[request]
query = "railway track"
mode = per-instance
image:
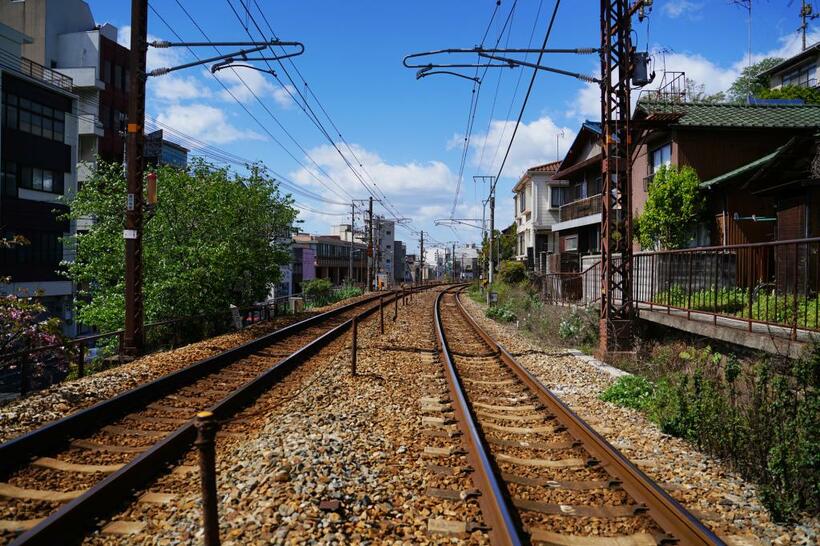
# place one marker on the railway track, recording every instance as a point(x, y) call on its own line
point(539, 472)
point(56, 481)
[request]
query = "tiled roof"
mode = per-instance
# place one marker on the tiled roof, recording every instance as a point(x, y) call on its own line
point(550, 167)
point(732, 115)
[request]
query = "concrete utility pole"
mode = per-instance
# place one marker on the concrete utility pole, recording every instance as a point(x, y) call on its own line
point(421, 256)
point(490, 273)
point(806, 15)
point(352, 232)
point(134, 313)
point(453, 260)
point(370, 246)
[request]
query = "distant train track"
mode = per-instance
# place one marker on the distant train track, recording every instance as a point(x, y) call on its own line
point(56, 481)
point(543, 474)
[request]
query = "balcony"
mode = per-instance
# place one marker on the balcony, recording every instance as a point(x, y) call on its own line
point(580, 208)
point(35, 70)
point(89, 124)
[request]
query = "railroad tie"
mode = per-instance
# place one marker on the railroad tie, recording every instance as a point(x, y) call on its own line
point(557, 539)
point(11, 491)
point(18, 526)
point(57, 464)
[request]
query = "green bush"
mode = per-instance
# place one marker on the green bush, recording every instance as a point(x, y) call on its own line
point(501, 313)
point(631, 391)
point(317, 290)
point(512, 272)
point(766, 424)
point(580, 328)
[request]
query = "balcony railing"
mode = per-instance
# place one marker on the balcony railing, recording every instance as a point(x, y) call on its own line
point(580, 208)
point(36, 71)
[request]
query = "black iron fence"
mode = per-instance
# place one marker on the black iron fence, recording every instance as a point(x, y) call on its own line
point(774, 285)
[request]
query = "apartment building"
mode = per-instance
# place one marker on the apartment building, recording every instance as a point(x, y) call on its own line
point(536, 199)
point(38, 158)
point(799, 70)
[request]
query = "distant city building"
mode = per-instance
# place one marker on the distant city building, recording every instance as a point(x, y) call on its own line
point(159, 151)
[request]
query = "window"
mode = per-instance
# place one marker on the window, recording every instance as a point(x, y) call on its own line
point(803, 77)
point(571, 243)
point(556, 197)
point(34, 118)
point(15, 175)
point(522, 202)
point(521, 243)
point(660, 157)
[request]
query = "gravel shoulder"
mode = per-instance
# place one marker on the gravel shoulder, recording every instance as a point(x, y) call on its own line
point(37, 409)
point(707, 487)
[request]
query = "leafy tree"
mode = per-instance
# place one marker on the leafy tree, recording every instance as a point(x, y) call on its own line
point(674, 205)
point(512, 271)
point(213, 239)
point(750, 82)
point(810, 95)
point(696, 92)
point(505, 245)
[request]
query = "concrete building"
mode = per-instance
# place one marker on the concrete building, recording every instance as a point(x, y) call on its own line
point(38, 158)
point(66, 38)
point(383, 246)
point(399, 270)
point(326, 257)
point(537, 198)
point(159, 151)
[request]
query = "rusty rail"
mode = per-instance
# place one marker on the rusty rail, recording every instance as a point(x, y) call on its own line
point(496, 508)
point(671, 517)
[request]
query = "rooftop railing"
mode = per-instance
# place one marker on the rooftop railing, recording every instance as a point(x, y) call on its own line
point(35, 70)
point(580, 208)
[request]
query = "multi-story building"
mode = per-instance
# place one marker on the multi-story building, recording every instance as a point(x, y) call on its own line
point(38, 158)
point(159, 151)
point(383, 248)
point(66, 39)
point(578, 201)
point(327, 257)
point(536, 201)
point(399, 270)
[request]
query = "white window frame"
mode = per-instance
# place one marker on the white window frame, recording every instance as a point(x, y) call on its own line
point(569, 238)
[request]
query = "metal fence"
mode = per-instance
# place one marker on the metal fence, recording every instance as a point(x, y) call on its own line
point(40, 367)
point(772, 287)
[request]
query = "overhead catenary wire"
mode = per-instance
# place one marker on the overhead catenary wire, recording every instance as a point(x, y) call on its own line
point(527, 95)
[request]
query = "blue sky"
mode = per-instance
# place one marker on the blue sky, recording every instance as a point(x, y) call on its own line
point(409, 134)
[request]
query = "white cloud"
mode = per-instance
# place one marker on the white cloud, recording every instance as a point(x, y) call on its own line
point(205, 122)
point(535, 144)
point(283, 95)
point(678, 8)
point(244, 84)
point(176, 88)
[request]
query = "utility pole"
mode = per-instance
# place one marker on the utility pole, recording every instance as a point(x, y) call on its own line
point(617, 310)
point(134, 313)
point(370, 246)
point(352, 231)
point(806, 15)
point(490, 273)
point(421, 256)
point(453, 260)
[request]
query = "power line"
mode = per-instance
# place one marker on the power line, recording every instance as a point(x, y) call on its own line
point(527, 95)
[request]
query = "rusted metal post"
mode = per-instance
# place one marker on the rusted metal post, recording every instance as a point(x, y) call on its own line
point(796, 279)
point(689, 290)
point(81, 361)
point(381, 314)
point(395, 307)
point(206, 433)
point(353, 343)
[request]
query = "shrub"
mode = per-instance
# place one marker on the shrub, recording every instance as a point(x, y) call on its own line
point(512, 272)
point(631, 391)
point(580, 327)
point(317, 291)
point(501, 313)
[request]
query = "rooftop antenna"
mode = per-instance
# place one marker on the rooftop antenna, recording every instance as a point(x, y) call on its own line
point(747, 5)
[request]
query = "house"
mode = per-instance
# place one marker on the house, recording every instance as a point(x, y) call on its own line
point(716, 139)
point(536, 210)
point(577, 198)
point(38, 159)
point(799, 70)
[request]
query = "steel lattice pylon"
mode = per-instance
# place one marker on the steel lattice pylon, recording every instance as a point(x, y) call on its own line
point(617, 309)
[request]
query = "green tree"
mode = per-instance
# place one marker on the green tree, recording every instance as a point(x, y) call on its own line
point(750, 81)
point(674, 206)
point(809, 95)
point(213, 239)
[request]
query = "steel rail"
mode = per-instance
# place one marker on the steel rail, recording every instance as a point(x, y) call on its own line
point(67, 524)
point(668, 513)
point(499, 514)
